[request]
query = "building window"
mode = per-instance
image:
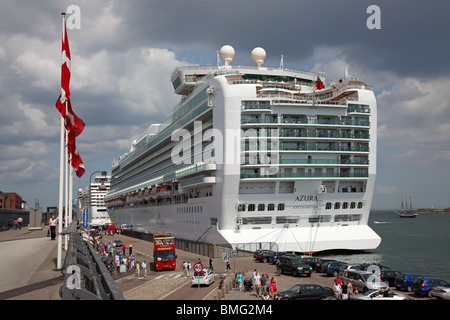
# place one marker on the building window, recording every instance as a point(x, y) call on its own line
point(360, 205)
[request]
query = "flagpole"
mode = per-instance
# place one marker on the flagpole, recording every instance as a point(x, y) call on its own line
point(66, 185)
point(61, 175)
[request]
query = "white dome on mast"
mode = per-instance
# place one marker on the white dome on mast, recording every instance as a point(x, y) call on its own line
point(227, 54)
point(258, 56)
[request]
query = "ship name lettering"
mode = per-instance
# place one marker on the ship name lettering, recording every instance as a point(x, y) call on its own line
point(306, 198)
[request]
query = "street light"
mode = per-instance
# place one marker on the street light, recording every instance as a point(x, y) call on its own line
point(101, 187)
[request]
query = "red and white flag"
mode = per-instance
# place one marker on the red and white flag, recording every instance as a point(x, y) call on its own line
point(73, 124)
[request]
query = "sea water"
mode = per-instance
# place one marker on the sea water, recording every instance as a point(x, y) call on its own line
point(409, 245)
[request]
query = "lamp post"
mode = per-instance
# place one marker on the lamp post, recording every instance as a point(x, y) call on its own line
point(104, 173)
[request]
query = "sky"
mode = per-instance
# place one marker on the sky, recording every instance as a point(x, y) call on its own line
point(123, 53)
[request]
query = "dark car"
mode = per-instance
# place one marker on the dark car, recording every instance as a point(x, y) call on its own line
point(294, 266)
point(404, 281)
point(279, 254)
point(332, 268)
point(318, 266)
point(118, 243)
point(423, 286)
point(306, 292)
point(265, 256)
point(258, 252)
point(311, 261)
point(389, 276)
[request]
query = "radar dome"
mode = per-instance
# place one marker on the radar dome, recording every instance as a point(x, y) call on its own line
point(258, 55)
point(227, 54)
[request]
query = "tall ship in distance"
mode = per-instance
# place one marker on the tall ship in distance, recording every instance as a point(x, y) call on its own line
point(255, 157)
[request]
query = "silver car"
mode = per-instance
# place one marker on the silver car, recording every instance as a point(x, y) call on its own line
point(378, 295)
point(440, 292)
point(364, 280)
point(206, 277)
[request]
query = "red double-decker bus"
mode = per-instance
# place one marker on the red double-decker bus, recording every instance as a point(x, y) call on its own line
point(164, 251)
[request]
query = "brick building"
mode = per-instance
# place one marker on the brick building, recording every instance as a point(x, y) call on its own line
point(10, 200)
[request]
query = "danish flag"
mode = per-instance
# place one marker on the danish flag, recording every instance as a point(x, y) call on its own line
point(73, 124)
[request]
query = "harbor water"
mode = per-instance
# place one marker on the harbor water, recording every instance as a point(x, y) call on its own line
point(409, 245)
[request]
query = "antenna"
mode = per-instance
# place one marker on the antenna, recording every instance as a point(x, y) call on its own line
point(281, 62)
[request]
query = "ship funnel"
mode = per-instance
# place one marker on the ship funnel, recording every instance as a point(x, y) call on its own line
point(258, 56)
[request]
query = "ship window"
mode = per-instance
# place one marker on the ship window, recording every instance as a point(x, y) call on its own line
point(271, 207)
point(345, 205)
point(261, 207)
point(360, 205)
point(257, 220)
point(282, 220)
point(280, 206)
point(355, 217)
point(241, 207)
point(316, 219)
point(341, 217)
point(213, 221)
point(337, 205)
point(352, 205)
point(251, 207)
point(328, 206)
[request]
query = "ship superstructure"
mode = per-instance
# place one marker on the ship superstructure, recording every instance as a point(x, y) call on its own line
point(94, 194)
point(255, 155)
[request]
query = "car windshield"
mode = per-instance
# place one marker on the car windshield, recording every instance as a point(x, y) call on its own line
point(366, 277)
point(201, 274)
point(165, 255)
point(297, 262)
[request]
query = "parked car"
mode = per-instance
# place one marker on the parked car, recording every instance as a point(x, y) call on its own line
point(377, 295)
point(318, 266)
point(423, 286)
point(118, 243)
point(265, 256)
point(404, 281)
point(258, 252)
point(275, 257)
point(389, 276)
point(311, 261)
point(347, 267)
point(206, 277)
point(294, 266)
point(306, 292)
point(441, 293)
point(364, 280)
point(332, 268)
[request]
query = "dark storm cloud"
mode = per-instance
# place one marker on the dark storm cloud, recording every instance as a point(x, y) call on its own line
point(409, 43)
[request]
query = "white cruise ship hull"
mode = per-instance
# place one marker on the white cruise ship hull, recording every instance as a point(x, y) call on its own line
point(292, 168)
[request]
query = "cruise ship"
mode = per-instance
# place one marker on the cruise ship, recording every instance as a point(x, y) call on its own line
point(255, 157)
point(95, 193)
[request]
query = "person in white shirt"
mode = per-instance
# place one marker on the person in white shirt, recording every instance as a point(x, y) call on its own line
point(257, 283)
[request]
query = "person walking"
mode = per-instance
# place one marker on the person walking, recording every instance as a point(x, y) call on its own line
point(257, 283)
point(19, 222)
point(52, 225)
point(263, 283)
point(144, 268)
point(228, 268)
point(239, 281)
point(273, 287)
point(184, 267)
point(188, 269)
point(15, 224)
point(211, 264)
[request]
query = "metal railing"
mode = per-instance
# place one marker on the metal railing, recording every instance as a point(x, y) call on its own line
point(86, 276)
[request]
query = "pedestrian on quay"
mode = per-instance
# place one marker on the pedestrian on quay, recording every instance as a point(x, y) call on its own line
point(188, 268)
point(257, 283)
point(10, 224)
point(273, 286)
point(344, 289)
point(15, 224)
point(19, 222)
point(350, 289)
point(184, 267)
point(228, 268)
point(278, 267)
point(337, 289)
point(138, 269)
point(52, 225)
point(211, 264)
point(144, 268)
point(263, 283)
point(239, 281)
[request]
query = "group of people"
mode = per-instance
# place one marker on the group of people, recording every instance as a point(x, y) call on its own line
point(265, 287)
point(344, 289)
point(186, 268)
point(15, 224)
